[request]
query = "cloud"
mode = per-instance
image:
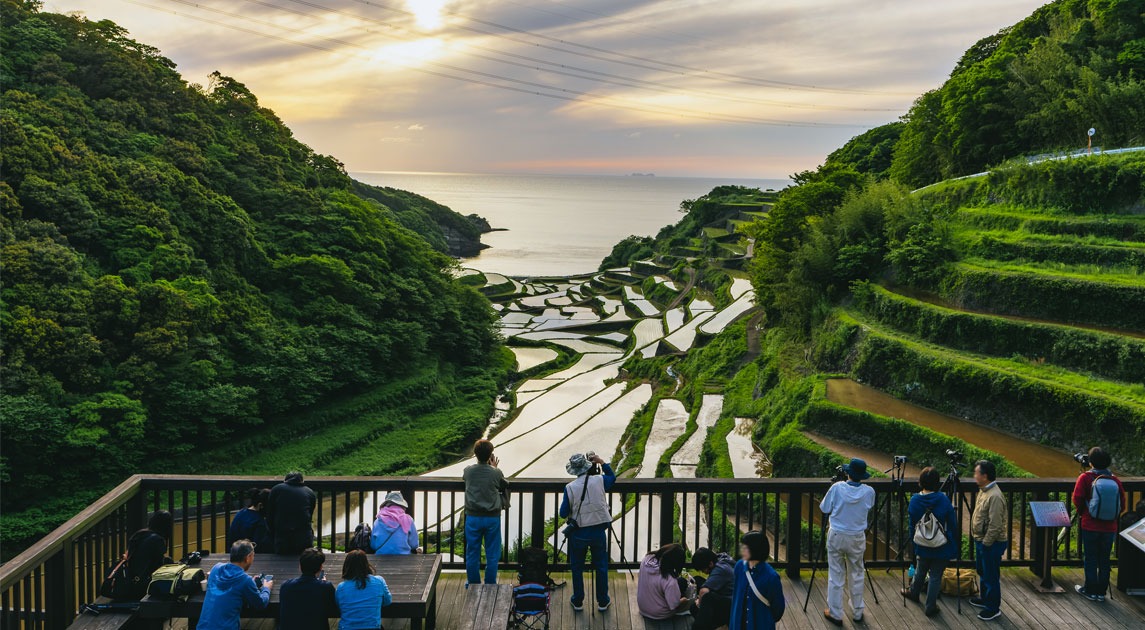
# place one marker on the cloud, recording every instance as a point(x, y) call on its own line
point(711, 69)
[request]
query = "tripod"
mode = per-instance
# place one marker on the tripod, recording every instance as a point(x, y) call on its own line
point(819, 560)
point(950, 487)
point(897, 471)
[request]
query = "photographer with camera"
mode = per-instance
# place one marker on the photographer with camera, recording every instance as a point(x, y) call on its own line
point(1099, 499)
point(847, 504)
point(585, 505)
point(485, 498)
point(229, 588)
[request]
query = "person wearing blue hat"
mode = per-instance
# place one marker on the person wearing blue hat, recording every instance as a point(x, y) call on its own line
point(847, 504)
point(586, 507)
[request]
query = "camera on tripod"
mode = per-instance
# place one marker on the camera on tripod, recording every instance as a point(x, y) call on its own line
point(900, 461)
point(956, 457)
point(1082, 458)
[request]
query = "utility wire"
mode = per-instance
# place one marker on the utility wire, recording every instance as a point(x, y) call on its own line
point(570, 70)
point(572, 95)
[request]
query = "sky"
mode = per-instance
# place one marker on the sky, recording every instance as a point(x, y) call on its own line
point(716, 88)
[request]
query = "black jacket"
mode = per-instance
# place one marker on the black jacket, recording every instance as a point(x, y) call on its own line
point(307, 603)
point(146, 552)
point(290, 511)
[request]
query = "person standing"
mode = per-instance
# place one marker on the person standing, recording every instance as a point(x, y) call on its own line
point(1099, 498)
point(847, 504)
point(394, 532)
point(290, 512)
point(229, 589)
point(484, 499)
point(988, 529)
point(585, 505)
point(361, 595)
point(757, 594)
point(932, 561)
point(307, 602)
point(714, 599)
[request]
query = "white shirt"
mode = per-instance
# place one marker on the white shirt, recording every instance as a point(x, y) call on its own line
point(848, 504)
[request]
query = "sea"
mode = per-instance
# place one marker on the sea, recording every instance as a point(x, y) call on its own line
point(558, 225)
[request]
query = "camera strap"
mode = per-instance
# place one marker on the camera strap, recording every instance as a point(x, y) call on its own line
point(583, 494)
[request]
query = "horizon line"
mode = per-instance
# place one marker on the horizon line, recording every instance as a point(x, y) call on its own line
point(539, 174)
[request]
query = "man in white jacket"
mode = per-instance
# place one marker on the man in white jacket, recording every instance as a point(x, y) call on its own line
point(847, 504)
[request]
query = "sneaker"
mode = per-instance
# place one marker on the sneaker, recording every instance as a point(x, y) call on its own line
point(906, 592)
point(1080, 590)
point(986, 615)
point(577, 606)
point(858, 618)
point(833, 619)
point(977, 602)
point(605, 606)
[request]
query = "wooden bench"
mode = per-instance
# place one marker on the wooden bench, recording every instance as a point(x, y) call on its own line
point(105, 620)
point(487, 607)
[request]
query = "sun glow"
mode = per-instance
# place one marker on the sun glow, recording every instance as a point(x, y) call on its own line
point(428, 13)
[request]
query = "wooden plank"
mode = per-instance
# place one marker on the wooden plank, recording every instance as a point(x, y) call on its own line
point(502, 606)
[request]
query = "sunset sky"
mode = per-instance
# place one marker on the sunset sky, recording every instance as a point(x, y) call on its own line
point(736, 88)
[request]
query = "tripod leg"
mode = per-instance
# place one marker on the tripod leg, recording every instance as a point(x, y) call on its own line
point(814, 568)
point(871, 584)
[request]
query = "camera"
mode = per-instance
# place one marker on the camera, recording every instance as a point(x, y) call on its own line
point(195, 558)
point(1081, 458)
point(900, 460)
point(595, 470)
point(840, 474)
point(956, 457)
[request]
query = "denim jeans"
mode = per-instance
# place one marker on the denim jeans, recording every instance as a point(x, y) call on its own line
point(988, 561)
point(580, 544)
point(1095, 550)
point(929, 570)
point(478, 529)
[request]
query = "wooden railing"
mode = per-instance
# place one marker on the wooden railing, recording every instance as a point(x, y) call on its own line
point(43, 586)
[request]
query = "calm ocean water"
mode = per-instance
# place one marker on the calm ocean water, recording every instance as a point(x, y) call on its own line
point(557, 224)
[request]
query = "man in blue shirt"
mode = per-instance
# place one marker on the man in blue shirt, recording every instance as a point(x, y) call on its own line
point(307, 602)
point(229, 588)
point(585, 505)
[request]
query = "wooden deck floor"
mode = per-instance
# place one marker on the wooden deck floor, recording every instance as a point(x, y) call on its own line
point(1022, 607)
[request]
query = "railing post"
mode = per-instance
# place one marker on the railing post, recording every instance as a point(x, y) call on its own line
point(667, 516)
point(537, 528)
point(795, 534)
point(60, 588)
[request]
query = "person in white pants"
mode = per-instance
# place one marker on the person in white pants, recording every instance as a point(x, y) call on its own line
point(847, 504)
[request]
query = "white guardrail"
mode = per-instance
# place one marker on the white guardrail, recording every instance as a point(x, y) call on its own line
point(1044, 157)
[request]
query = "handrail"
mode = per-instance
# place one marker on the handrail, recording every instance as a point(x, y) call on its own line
point(17, 568)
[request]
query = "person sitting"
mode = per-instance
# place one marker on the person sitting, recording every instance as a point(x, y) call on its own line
point(932, 561)
point(250, 524)
point(146, 552)
point(307, 602)
point(362, 595)
point(290, 513)
point(229, 588)
point(395, 532)
point(661, 594)
point(757, 595)
point(713, 601)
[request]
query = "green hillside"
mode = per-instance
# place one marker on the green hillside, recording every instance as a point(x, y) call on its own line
point(181, 275)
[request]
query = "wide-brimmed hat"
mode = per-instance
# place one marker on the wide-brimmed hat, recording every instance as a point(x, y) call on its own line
point(396, 498)
point(858, 469)
point(578, 465)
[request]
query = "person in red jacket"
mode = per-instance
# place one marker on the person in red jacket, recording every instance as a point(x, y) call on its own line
point(1098, 530)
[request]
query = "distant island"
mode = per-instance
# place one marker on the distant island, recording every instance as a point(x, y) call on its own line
point(643, 175)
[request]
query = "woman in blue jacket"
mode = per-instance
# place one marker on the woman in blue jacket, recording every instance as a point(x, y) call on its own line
point(394, 532)
point(932, 561)
point(757, 595)
point(362, 595)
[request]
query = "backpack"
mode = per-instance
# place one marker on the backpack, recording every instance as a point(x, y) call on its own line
point(1104, 499)
point(361, 539)
point(929, 532)
point(172, 581)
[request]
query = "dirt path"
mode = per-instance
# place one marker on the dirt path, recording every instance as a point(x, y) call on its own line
point(686, 291)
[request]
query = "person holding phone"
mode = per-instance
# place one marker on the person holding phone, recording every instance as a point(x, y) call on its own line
point(307, 602)
point(485, 489)
point(229, 589)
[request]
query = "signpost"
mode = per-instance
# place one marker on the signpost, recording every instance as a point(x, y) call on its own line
point(1048, 515)
point(1089, 147)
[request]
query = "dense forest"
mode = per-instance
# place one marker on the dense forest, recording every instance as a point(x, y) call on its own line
point(179, 272)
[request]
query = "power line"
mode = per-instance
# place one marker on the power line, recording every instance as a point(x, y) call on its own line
point(573, 95)
point(568, 70)
point(675, 68)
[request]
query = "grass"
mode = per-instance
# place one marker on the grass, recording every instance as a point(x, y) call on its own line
point(1130, 276)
